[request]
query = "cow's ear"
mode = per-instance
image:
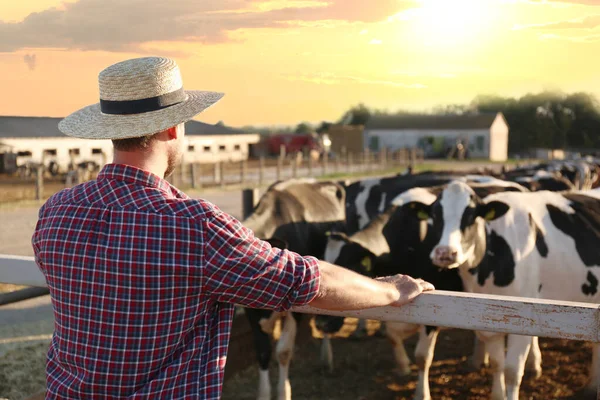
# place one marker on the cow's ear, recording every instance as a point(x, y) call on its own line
point(341, 236)
point(422, 210)
point(492, 210)
point(276, 242)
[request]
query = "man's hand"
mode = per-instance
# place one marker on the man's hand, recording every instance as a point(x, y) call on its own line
point(408, 287)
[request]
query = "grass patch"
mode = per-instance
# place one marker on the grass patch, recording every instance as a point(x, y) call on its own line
point(23, 371)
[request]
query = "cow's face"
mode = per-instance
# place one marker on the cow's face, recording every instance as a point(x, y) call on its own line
point(458, 216)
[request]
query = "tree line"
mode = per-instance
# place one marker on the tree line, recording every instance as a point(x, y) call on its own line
point(547, 119)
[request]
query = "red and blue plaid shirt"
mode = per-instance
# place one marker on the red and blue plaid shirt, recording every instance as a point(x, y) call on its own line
point(143, 281)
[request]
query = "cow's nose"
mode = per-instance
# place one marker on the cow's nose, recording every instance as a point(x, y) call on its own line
point(444, 256)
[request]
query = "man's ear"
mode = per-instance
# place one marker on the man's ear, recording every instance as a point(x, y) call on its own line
point(275, 242)
point(172, 132)
point(492, 210)
point(421, 210)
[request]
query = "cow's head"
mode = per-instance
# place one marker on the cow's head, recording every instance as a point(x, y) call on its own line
point(458, 216)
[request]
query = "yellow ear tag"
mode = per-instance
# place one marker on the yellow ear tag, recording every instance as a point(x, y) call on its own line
point(328, 233)
point(366, 263)
point(490, 215)
point(422, 215)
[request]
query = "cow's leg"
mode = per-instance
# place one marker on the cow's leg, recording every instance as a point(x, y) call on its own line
point(534, 359)
point(284, 351)
point(381, 331)
point(360, 331)
point(494, 343)
point(424, 357)
point(327, 352)
point(396, 333)
point(594, 382)
point(516, 356)
point(480, 356)
point(262, 344)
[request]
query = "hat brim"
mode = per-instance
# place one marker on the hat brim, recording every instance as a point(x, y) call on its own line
point(91, 123)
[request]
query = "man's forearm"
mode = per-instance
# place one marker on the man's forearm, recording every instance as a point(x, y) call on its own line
point(342, 289)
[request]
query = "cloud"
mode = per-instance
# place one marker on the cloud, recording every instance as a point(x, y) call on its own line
point(567, 2)
point(30, 60)
point(117, 25)
point(425, 74)
point(576, 39)
point(590, 22)
point(327, 78)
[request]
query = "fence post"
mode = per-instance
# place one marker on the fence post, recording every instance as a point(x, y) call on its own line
point(325, 161)
point(336, 163)
point(222, 168)
point(243, 168)
point(249, 200)
point(294, 167)
point(383, 157)
point(310, 165)
point(39, 182)
point(261, 169)
point(217, 175)
point(349, 162)
point(194, 175)
point(366, 157)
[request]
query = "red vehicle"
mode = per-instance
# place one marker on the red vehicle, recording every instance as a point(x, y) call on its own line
point(294, 143)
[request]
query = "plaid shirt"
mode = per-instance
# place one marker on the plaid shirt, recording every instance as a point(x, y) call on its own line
point(143, 281)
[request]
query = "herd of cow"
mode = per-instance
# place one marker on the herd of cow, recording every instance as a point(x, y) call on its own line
point(532, 232)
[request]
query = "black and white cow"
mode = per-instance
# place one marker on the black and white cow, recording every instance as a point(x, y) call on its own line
point(399, 242)
point(295, 214)
point(367, 198)
point(540, 244)
point(557, 175)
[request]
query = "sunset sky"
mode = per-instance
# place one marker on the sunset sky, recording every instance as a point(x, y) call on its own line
point(283, 62)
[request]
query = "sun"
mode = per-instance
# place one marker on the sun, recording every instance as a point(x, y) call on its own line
point(452, 22)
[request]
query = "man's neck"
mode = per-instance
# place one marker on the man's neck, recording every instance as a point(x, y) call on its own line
point(143, 161)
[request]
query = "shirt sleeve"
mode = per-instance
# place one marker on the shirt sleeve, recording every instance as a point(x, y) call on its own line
point(242, 269)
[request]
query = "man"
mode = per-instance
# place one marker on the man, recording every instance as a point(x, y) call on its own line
point(144, 279)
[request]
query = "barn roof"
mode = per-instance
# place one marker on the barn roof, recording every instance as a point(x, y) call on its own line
point(29, 127)
point(47, 127)
point(438, 122)
point(194, 127)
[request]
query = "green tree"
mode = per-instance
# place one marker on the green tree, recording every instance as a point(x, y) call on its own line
point(304, 128)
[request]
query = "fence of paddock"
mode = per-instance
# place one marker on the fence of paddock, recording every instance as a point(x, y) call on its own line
point(37, 182)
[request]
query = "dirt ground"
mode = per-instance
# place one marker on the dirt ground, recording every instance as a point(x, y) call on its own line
point(364, 370)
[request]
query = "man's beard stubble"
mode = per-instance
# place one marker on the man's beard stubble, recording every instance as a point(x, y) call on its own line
point(174, 160)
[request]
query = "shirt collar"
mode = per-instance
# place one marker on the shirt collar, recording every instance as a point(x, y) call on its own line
point(137, 176)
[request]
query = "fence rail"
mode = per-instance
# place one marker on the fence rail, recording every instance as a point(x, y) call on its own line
point(506, 314)
point(254, 172)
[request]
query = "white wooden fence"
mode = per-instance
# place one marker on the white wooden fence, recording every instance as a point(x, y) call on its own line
point(517, 315)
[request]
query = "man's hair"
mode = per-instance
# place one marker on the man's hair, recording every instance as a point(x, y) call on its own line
point(131, 144)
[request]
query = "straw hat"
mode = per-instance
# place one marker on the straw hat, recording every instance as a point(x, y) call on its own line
point(138, 97)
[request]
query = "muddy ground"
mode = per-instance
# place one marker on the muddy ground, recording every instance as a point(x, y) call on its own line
point(365, 370)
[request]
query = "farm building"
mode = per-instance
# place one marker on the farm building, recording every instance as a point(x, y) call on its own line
point(38, 140)
point(483, 135)
point(212, 143)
